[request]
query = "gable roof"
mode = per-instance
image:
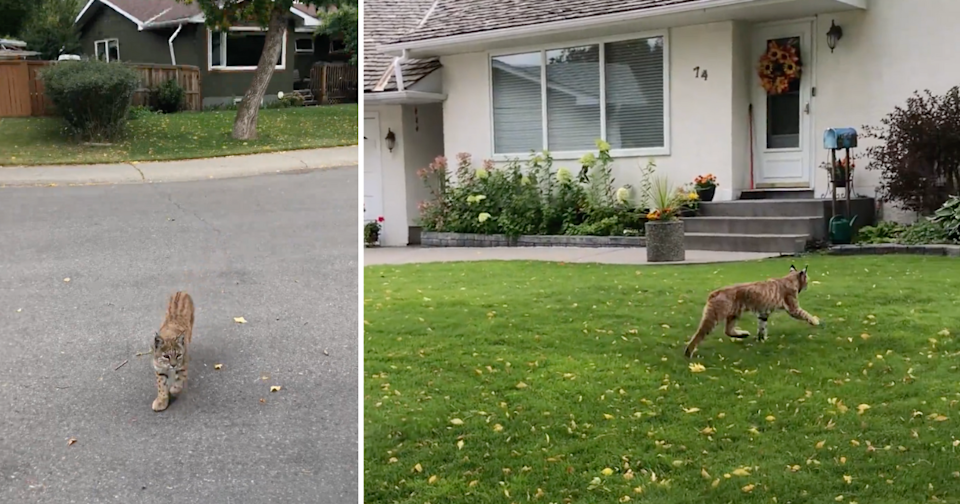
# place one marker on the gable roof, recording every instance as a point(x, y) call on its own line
point(460, 17)
point(382, 21)
point(147, 14)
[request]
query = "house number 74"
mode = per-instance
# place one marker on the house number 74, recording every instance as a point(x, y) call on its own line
point(699, 74)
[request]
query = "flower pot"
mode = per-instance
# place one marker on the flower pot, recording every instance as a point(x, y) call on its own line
point(665, 241)
point(373, 239)
point(706, 193)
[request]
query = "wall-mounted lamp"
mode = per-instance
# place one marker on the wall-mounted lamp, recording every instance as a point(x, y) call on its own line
point(833, 35)
point(391, 140)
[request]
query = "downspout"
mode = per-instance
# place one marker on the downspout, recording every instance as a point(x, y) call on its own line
point(173, 56)
point(398, 70)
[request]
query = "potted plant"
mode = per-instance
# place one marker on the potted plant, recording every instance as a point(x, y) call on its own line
point(689, 201)
point(371, 232)
point(664, 229)
point(706, 186)
point(842, 171)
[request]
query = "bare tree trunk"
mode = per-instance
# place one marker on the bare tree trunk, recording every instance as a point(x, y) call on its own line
point(245, 125)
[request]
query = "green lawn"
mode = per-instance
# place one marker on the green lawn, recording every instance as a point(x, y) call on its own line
point(37, 141)
point(502, 382)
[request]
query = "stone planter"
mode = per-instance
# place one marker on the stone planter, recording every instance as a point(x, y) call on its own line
point(665, 241)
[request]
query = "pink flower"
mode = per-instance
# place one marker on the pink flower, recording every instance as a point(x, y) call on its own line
point(380, 219)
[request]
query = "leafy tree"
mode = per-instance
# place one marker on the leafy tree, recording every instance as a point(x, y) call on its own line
point(271, 15)
point(14, 16)
point(50, 29)
point(343, 21)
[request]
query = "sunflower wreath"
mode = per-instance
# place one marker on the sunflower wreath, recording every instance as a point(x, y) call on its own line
point(780, 66)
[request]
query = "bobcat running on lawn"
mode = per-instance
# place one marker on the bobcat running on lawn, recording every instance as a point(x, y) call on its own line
point(170, 349)
point(763, 298)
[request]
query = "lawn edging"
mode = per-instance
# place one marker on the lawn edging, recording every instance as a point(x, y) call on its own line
point(895, 248)
point(436, 239)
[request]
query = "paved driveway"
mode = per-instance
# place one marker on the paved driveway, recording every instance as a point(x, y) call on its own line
point(278, 250)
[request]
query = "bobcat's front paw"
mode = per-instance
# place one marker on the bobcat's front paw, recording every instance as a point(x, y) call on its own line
point(160, 404)
point(815, 321)
point(176, 388)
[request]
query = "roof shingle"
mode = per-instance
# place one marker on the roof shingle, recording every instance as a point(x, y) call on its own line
point(460, 17)
point(384, 20)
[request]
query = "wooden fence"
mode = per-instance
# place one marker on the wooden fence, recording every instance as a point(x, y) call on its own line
point(334, 83)
point(22, 93)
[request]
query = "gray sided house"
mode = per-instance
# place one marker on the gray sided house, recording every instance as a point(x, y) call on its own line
point(167, 32)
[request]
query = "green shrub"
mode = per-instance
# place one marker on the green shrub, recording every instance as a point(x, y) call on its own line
point(529, 198)
point(93, 97)
point(169, 97)
point(948, 216)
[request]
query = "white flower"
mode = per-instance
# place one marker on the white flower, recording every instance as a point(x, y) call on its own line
point(564, 175)
point(623, 195)
point(481, 173)
point(524, 180)
point(483, 217)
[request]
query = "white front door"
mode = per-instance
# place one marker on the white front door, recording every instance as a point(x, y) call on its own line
point(372, 176)
point(783, 140)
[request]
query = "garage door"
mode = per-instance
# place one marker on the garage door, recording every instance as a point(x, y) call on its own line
point(372, 177)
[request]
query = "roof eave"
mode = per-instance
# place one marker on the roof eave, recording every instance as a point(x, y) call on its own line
point(421, 48)
point(402, 98)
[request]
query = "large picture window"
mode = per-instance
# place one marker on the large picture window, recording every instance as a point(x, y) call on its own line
point(107, 50)
point(563, 99)
point(241, 49)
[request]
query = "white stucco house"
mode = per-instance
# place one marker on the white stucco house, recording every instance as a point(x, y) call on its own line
point(675, 80)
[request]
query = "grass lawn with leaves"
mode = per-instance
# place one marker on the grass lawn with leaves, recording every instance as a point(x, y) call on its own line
point(544, 382)
point(186, 135)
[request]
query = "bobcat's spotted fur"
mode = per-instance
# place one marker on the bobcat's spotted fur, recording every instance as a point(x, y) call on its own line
point(170, 349)
point(763, 298)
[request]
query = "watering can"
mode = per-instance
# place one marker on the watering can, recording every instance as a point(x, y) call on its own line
point(841, 229)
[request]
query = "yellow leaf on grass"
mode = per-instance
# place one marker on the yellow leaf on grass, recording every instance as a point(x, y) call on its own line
point(460, 444)
point(749, 488)
point(696, 367)
point(708, 431)
point(754, 431)
point(715, 483)
point(218, 366)
point(820, 444)
point(794, 468)
point(847, 478)
point(392, 460)
point(497, 428)
point(864, 336)
point(741, 471)
point(704, 473)
point(608, 416)
point(861, 409)
point(838, 498)
point(691, 410)
point(522, 385)
point(606, 471)
point(275, 388)
point(940, 418)
point(944, 333)
point(771, 418)
point(456, 421)
point(473, 483)
point(432, 479)
point(240, 320)
point(418, 468)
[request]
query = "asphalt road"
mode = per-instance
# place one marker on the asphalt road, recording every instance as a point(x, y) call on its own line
point(277, 250)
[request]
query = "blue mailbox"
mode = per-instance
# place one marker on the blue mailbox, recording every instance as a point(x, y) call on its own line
point(840, 138)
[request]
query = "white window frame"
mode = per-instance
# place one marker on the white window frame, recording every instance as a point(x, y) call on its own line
point(304, 51)
point(106, 48)
point(567, 155)
point(223, 50)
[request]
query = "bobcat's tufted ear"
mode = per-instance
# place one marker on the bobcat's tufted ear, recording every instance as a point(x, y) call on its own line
point(157, 341)
point(180, 339)
point(793, 268)
point(805, 266)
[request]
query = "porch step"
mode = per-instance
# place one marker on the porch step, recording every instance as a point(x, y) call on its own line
point(806, 226)
point(763, 208)
point(735, 242)
point(769, 194)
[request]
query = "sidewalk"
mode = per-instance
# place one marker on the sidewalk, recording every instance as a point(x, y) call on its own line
point(180, 171)
point(408, 255)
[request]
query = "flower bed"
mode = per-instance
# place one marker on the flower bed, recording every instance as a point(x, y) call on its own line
point(434, 239)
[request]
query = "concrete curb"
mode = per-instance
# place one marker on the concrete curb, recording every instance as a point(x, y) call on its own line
point(180, 171)
point(893, 248)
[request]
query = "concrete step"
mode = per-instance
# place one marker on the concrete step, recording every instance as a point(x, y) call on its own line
point(778, 243)
point(763, 208)
point(769, 194)
point(807, 226)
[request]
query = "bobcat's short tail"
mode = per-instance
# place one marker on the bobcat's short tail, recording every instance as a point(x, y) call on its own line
point(707, 322)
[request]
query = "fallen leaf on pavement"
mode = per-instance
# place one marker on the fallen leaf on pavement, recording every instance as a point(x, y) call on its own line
point(217, 366)
point(71, 441)
point(274, 388)
point(263, 400)
point(66, 279)
point(240, 320)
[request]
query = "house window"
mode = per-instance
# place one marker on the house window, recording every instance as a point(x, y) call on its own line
point(304, 45)
point(107, 50)
point(337, 46)
point(563, 99)
point(240, 49)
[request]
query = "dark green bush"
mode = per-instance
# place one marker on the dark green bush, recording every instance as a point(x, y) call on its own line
point(93, 97)
point(169, 97)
